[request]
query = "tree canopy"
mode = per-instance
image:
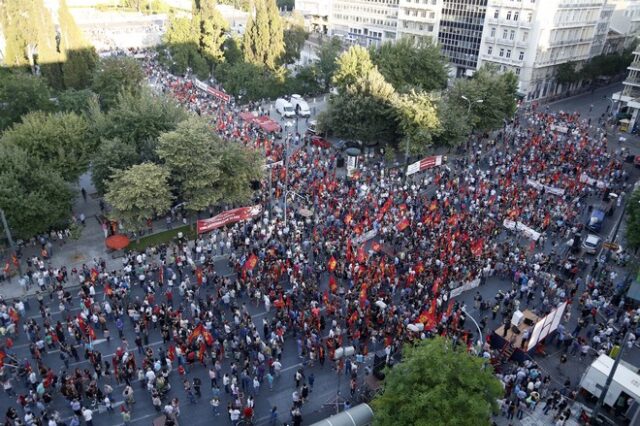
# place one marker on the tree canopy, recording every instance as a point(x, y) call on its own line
point(213, 28)
point(409, 66)
point(263, 43)
point(114, 75)
point(21, 93)
point(113, 154)
point(57, 139)
point(352, 66)
point(139, 193)
point(633, 219)
point(437, 385)
point(33, 194)
point(327, 60)
point(418, 119)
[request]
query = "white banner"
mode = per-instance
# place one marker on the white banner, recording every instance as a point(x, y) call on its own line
point(550, 189)
point(584, 178)
point(424, 164)
point(465, 287)
point(521, 227)
point(561, 129)
point(364, 237)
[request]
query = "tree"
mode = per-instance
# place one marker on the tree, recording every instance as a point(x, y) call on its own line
point(406, 65)
point(138, 119)
point(417, 119)
point(115, 75)
point(364, 111)
point(113, 154)
point(263, 43)
point(213, 29)
point(633, 220)
point(454, 127)
point(498, 94)
point(189, 153)
point(239, 167)
point(59, 140)
point(566, 73)
point(351, 67)
point(248, 81)
point(327, 60)
point(77, 101)
point(33, 195)
point(79, 56)
point(294, 37)
point(21, 93)
point(139, 193)
point(437, 384)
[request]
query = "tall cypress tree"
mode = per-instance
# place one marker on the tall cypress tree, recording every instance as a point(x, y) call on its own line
point(213, 28)
point(79, 56)
point(264, 36)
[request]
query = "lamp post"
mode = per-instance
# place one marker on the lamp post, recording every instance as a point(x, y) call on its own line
point(481, 340)
point(286, 194)
point(7, 232)
point(469, 102)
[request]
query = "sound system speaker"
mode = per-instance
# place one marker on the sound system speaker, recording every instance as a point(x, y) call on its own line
point(340, 162)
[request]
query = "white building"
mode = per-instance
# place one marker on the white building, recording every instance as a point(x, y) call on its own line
point(366, 22)
point(532, 37)
point(625, 19)
point(419, 20)
point(629, 97)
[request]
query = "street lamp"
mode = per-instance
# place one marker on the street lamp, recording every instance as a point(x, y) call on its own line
point(477, 101)
point(286, 194)
point(481, 340)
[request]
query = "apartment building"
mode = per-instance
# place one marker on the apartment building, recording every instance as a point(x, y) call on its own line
point(419, 19)
point(629, 97)
point(625, 19)
point(532, 37)
point(366, 22)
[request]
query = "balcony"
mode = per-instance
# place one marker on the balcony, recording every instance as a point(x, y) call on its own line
point(635, 65)
point(632, 82)
point(570, 24)
point(520, 23)
point(569, 42)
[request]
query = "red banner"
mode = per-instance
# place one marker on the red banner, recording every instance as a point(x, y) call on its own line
point(230, 216)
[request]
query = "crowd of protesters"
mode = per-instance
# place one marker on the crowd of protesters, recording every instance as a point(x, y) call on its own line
point(379, 252)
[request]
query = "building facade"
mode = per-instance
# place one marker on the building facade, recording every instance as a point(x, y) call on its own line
point(419, 20)
point(460, 34)
point(532, 37)
point(365, 22)
point(629, 97)
point(625, 19)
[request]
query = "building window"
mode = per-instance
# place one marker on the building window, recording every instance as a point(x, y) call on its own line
point(516, 14)
point(490, 50)
point(504, 34)
point(493, 32)
point(517, 70)
point(508, 53)
point(496, 13)
point(521, 55)
point(512, 36)
point(525, 35)
point(529, 16)
point(509, 15)
point(501, 54)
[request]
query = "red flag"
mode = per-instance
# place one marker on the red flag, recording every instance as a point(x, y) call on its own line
point(15, 261)
point(361, 258)
point(386, 206)
point(2, 357)
point(403, 224)
point(450, 307)
point(419, 267)
point(251, 262)
point(91, 333)
point(199, 273)
point(476, 247)
point(195, 333)
point(349, 254)
point(107, 290)
point(161, 275)
point(347, 218)
point(172, 353)
point(333, 285)
point(94, 275)
point(375, 246)
point(332, 264)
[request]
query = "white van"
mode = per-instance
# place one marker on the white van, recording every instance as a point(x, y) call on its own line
point(300, 106)
point(625, 384)
point(284, 108)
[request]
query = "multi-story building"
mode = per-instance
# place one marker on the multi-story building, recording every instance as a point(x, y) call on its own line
point(366, 22)
point(316, 14)
point(629, 97)
point(533, 37)
point(625, 19)
point(419, 19)
point(460, 33)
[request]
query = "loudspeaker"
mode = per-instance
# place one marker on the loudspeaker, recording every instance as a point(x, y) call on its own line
point(340, 162)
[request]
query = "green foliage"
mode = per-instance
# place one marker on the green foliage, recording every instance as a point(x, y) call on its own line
point(406, 65)
point(21, 93)
point(233, 50)
point(79, 56)
point(294, 38)
point(77, 101)
point(435, 385)
point(139, 193)
point(189, 153)
point(327, 60)
point(454, 126)
point(239, 166)
point(566, 73)
point(213, 28)
point(59, 140)
point(238, 4)
point(33, 195)
point(633, 220)
point(606, 65)
point(138, 120)
point(497, 91)
point(351, 67)
point(263, 43)
point(112, 155)
point(247, 80)
point(417, 119)
point(115, 75)
point(305, 81)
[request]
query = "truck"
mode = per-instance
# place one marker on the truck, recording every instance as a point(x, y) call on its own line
point(300, 106)
point(625, 384)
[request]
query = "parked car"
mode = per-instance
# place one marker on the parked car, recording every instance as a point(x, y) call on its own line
point(591, 243)
point(596, 219)
point(284, 108)
point(300, 106)
point(312, 128)
point(320, 141)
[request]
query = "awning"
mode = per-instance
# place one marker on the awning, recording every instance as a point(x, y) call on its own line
point(247, 116)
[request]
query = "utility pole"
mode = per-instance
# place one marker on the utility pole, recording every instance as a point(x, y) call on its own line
point(605, 390)
point(7, 232)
